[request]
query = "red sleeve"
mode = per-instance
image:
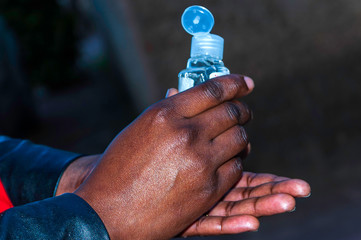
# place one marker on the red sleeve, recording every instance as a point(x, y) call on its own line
point(5, 202)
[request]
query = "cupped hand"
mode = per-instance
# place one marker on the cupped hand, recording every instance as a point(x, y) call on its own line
point(173, 163)
point(255, 195)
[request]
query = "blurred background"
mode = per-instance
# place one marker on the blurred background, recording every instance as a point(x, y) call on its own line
point(73, 73)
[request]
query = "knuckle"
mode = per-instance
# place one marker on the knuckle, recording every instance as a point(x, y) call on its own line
point(246, 193)
point(199, 225)
point(189, 134)
point(160, 112)
point(255, 205)
point(214, 89)
point(229, 208)
point(238, 167)
point(233, 111)
point(241, 136)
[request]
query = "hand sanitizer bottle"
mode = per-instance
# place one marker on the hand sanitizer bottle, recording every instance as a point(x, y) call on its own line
point(206, 50)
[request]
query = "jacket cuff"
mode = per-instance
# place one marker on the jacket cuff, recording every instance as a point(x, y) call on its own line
point(30, 172)
point(64, 217)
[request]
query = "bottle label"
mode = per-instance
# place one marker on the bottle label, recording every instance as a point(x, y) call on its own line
point(216, 74)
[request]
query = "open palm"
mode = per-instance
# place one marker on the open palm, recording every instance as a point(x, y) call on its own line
point(255, 195)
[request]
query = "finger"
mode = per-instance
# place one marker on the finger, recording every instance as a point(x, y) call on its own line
point(259, 206)
point(222, 117)
point(250, 179)
point(171, 92)
point(228, 174)
point(230, 143)
point(212, 225)
point(212, 93)
point(293, 187)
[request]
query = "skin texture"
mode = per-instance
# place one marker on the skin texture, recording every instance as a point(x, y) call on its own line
point(177, 170)
point(76, 173)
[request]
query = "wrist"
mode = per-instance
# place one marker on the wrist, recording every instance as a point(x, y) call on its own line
point(76, 173)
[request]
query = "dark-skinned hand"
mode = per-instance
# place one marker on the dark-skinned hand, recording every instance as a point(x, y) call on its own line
point(173, 163)
point(132, 209)
point(255, 195)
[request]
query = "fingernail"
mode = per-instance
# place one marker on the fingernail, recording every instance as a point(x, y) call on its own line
point(166, 95)
point(249, 82)
point(309, 195)
point(294, 209)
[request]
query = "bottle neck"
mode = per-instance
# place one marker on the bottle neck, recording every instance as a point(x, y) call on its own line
point(204, 61)
point(207, 45)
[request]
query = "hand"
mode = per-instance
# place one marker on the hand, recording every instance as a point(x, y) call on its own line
point(255, 195)
point(173, 163)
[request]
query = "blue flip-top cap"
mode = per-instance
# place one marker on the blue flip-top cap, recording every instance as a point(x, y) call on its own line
point(198, 21)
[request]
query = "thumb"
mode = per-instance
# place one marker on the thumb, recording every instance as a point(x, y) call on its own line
point(171, 92)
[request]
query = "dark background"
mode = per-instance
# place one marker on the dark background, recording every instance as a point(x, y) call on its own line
point(74, 73)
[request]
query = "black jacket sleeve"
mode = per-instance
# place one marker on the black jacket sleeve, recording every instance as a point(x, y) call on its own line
point(29, 174)
point(64, 217)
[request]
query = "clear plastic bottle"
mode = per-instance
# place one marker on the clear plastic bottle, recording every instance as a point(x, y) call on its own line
point(206, 50)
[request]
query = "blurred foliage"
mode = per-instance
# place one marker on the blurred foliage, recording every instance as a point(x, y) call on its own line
point(47, 40)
